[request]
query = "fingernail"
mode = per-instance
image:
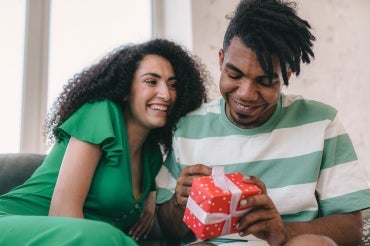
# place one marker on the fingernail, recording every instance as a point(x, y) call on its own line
point(243, 203)
point(247, 178)
point(237, 226)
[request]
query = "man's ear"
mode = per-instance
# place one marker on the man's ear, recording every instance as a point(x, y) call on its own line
point(221, 58)
point(289, 73)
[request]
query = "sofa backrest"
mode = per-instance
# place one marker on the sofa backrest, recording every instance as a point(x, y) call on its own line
point(15, 168)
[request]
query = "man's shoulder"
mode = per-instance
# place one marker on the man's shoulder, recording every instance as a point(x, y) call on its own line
point(297, 103)
point(201, 120)
point(207, 111)
point(212, 107)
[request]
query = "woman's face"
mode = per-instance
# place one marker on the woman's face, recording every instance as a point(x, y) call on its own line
point(153, 93)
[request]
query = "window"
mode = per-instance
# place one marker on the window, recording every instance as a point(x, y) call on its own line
point(81, 32)
point(12, 28)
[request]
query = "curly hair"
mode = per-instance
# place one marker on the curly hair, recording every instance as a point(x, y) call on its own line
point(272, 27)
point(111, 78)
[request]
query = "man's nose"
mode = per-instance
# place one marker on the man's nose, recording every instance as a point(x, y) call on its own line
point(247, 90)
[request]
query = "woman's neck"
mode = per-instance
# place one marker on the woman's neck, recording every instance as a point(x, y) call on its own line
point(135, 133)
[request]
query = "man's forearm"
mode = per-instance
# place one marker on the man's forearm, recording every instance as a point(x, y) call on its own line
point(344, 229)
point(170, 216)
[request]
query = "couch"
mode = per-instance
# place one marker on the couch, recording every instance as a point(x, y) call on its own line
point(15, 168)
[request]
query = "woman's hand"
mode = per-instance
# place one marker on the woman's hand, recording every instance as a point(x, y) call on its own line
point(146, 221)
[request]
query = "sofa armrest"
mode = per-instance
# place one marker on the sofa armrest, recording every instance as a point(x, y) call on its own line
point(365, 228)
point(15, 168)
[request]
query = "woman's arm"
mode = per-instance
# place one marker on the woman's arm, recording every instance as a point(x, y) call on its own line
point(74, 180)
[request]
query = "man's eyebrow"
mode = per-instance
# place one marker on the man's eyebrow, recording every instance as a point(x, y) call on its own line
point(232, 67)
point(274, 76)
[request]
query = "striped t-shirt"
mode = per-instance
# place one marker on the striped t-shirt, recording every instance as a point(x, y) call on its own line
point(302, 154)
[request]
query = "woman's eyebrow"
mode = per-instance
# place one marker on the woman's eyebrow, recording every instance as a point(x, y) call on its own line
point(155, 75)
point(151, 74)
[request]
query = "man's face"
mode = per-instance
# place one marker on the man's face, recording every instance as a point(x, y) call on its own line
point(250, 97)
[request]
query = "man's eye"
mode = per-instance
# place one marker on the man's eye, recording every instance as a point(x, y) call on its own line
point(234, 76)
point(267, 82)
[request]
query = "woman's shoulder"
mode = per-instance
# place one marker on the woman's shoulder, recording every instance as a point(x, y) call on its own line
point(99, 109)
point(101, 103)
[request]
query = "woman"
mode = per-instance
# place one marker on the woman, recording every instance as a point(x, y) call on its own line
point(110, 123)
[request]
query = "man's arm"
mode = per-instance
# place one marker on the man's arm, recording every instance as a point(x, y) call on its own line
point(170, 216)
point(264, 222)
point(344, 229)
point(170, 213)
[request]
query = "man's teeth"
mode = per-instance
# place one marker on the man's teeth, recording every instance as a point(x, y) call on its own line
point(245, 107)
point(159, 107)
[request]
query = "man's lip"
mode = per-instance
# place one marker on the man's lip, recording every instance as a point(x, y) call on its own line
point(245, 109)
point(244, 105)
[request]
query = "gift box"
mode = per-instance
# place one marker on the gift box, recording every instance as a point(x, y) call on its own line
point(213, 206)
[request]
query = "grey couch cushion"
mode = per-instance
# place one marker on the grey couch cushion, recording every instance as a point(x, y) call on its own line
point(16, 168)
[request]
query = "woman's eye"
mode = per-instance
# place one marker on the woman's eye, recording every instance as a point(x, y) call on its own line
point(151, 81)
point(172, 85)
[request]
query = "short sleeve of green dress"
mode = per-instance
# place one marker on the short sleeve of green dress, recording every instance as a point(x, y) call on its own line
point(110, 197)
point(99, 123)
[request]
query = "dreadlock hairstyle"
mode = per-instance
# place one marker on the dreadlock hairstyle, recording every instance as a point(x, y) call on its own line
point(111, 78)
point(272, 27)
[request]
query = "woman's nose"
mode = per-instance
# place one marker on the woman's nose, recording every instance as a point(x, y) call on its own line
point(163, 92)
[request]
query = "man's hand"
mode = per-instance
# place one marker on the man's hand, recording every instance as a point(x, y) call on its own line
point(185, 181)
point(263, 219)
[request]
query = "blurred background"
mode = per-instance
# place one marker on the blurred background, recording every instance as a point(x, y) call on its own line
point(45, 42)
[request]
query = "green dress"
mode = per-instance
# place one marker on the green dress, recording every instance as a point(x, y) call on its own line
point(110, 208)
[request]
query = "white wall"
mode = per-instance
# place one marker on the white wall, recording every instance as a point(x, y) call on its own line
point(338, 75)
point(340, 72)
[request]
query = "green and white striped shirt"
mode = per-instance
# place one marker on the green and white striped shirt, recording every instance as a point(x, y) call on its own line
point(302, 154)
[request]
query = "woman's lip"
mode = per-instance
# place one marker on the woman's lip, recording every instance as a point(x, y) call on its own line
point(157, 106)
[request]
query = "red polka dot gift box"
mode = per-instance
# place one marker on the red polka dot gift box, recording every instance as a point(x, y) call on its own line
point(213, 207)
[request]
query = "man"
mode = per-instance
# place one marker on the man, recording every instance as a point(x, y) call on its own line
point(294, 149)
